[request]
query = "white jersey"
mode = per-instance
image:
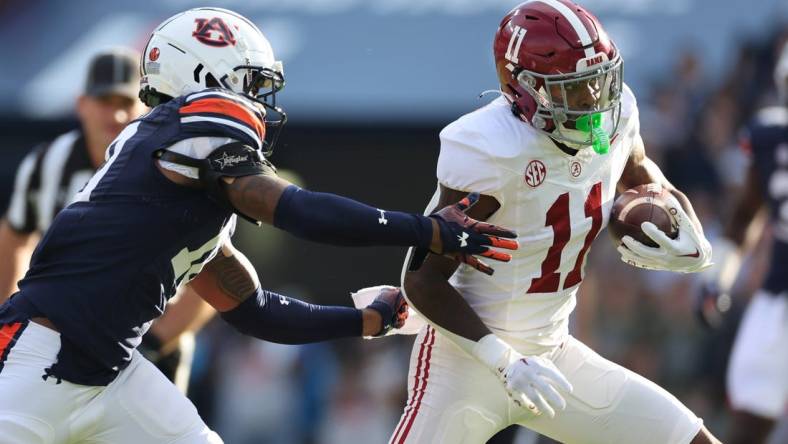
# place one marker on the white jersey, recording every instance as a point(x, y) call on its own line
point(557, 203)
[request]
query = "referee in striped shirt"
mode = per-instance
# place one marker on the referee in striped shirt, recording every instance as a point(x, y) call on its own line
point(52, 173)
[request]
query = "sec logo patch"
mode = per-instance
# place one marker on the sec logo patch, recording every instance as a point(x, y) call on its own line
point(535, 173)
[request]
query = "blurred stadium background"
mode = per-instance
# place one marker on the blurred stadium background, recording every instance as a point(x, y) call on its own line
point(369, 85)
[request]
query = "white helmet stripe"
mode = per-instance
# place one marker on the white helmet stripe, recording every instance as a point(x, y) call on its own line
point(574, 20)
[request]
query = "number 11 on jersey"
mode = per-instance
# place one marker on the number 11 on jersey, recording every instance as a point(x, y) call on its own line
point(558, 219)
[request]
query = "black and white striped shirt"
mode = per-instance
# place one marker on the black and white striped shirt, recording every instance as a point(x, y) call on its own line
point(46, 181)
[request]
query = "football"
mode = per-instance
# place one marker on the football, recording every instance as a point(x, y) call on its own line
point(644, 203)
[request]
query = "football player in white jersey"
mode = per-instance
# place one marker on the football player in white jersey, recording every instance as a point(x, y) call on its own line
point(547, 157)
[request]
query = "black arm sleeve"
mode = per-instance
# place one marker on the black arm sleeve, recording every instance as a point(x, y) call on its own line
point(276, 318)
point(328, 218)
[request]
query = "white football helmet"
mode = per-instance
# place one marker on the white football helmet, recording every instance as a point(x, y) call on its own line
point(211, 47)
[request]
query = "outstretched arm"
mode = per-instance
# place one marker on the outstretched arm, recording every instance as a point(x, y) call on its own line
point(338, 220)
point(254, 191)
point(229, 283)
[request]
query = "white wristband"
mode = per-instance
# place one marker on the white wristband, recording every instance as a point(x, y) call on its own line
point(493, 352)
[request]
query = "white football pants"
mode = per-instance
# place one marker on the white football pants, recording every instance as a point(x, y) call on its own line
point(758, 369)
point(139, 406)
point(454, 399)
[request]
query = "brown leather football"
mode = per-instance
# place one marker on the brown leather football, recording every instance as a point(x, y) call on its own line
point(637, 205)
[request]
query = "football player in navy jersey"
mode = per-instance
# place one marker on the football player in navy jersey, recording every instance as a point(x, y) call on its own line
point(757, 379)
point(158, 215)
point(52, 173)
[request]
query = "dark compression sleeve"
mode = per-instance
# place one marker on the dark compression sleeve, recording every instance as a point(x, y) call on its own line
point(332, 219)
point(276, 318)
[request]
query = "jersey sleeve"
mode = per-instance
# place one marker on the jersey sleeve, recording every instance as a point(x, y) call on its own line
point(22, 215)
point(465, 162)
point(213, 113)
point(196, 148)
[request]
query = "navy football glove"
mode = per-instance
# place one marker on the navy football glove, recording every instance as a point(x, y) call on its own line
point(393, 309)
point(463, 237)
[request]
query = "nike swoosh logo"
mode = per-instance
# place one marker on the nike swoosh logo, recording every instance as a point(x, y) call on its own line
point(695, 254)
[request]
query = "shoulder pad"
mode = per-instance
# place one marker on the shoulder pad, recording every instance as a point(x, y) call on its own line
point(216, 112)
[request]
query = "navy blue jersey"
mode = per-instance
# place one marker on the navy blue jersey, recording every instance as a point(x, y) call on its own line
point(111, 259)
point(767, 138)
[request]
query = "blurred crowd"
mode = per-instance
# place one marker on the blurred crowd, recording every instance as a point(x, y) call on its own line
point(353, 391)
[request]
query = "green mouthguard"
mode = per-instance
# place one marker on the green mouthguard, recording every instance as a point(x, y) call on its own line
point(592, 123)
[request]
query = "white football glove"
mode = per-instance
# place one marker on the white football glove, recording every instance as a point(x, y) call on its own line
point(531, 381)
point(690, 252)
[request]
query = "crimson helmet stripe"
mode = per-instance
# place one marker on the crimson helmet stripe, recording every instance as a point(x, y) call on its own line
point(577, 24)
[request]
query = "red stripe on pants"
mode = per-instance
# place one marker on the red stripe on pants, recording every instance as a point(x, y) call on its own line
point(412, 399)
point(418, 393)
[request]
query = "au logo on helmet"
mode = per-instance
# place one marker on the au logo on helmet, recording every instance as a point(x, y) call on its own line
point(213, 32)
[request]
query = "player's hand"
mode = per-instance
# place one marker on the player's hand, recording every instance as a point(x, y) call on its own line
point(690, 252)
point(532, 382)
point(462, 237)
point(393, 310)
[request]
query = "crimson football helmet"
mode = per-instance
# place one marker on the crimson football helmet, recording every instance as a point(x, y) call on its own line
point(560, 72)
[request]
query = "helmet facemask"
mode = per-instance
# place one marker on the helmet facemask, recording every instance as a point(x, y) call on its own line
point(261, 85)
point(580, 109)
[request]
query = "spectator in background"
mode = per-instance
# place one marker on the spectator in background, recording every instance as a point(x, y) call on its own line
point(758, 370)
point(52, 173)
